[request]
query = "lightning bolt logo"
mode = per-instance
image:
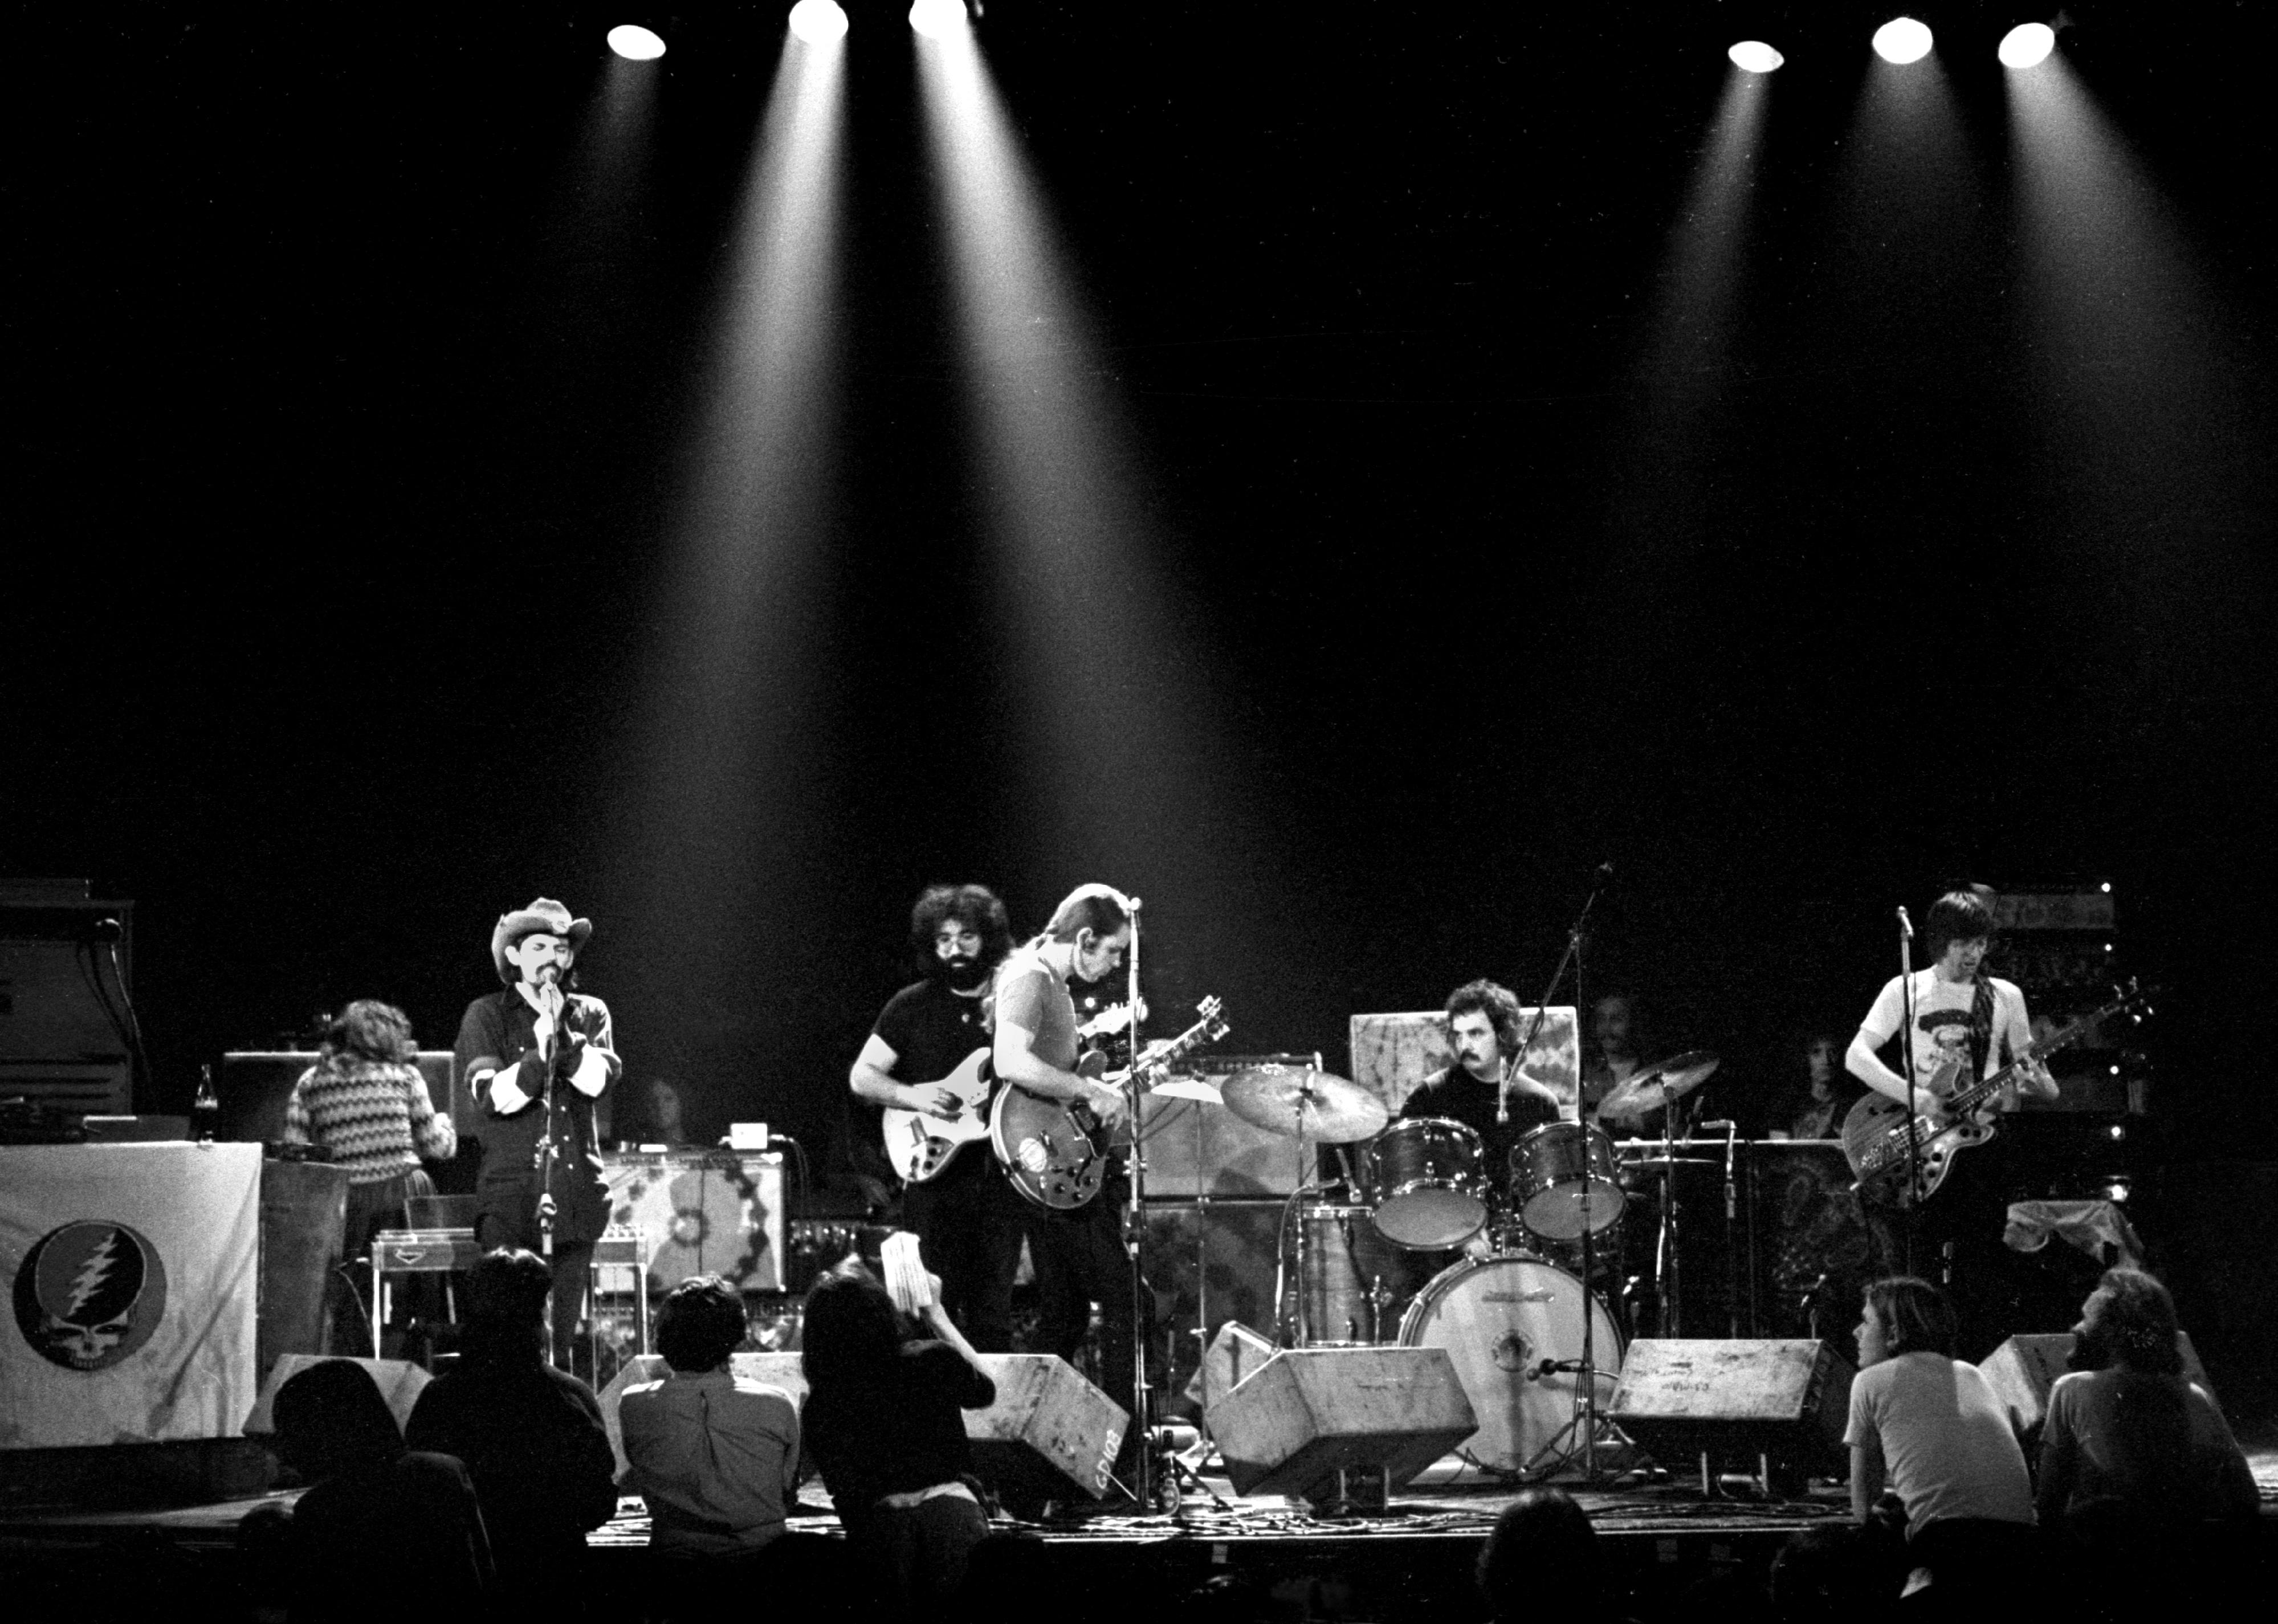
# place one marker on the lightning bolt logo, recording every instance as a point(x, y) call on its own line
point(92, 1273)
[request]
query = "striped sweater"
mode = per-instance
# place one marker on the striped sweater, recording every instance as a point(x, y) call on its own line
point(370, 1115)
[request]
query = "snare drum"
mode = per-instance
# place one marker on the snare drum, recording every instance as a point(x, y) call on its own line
point(1499, 1318)
point(1353, 1284)
point(1423, 1179)
point(1552, 1167)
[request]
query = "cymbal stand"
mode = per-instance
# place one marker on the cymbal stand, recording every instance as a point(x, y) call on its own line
point(1667, 1267)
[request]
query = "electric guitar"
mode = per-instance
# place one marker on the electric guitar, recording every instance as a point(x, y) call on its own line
point(1056, 1150)
point(920, 1145)
point(1876, 1129)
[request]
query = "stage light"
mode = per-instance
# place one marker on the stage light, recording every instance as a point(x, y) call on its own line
point(937, 19)
point(1902, 40)
point(2027, 45)
point(818, 22)
point(1755, 57)
point(635, 43)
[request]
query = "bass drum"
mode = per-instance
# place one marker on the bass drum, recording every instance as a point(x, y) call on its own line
point(1499, 1318)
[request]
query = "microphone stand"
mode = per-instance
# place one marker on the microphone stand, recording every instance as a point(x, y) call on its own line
point(1913, 1215)
point(1598, 882)
point(1135, 1229)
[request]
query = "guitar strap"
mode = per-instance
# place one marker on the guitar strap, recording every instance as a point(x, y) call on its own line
point(1981, 1027)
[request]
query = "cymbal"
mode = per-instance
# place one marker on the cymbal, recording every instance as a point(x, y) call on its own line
point(1188, 1089)
point(1326, 1110)
point(1656, 1085)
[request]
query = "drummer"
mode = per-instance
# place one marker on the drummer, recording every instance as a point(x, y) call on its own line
point(1484, 1029)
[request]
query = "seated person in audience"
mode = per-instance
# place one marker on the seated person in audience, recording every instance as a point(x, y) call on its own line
point(1827, 1575)
point(2131, 1452)
point(372, 1507)
point(886, 1428)
point(714, 1455)
point(531, 1435)
point(1821, 1094)
point(1930, 1426)
point(1541, 1560)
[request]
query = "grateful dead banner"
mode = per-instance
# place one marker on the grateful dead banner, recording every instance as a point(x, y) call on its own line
point(132, 1270)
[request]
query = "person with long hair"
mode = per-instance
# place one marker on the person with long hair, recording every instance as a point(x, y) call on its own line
point(2129, 1445)
point(1541, 1560)
point(366, 1103)
point(885, 1426)
point(373, 1510)
point(966, 1216)
point(1930, 1426)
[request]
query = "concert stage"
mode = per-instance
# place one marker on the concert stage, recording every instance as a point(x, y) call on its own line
point(1668, 1551)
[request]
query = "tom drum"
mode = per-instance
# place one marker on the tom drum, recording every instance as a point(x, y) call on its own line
point(1564, 1178)
point(1423, 1179)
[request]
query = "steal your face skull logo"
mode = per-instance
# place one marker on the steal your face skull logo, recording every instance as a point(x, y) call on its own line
point(89, 1293)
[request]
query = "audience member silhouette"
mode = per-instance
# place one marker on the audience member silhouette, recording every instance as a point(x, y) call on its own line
point(885, 1426)
point(531, 1435)
point(372, 1509)
point(1541, 1560)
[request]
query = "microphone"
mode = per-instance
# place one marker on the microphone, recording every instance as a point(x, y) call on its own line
point(107, 930)
point(1604, 877)
point(1729, 1126)
point(1906, 926)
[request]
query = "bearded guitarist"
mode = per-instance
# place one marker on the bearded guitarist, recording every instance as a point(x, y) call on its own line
point(958, 1202)
point(1078, 1253)
point(1965, 1024)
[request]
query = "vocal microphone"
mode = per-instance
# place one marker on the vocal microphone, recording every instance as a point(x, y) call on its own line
point(1906, 926)
point(108, 930)
point(1604, 877)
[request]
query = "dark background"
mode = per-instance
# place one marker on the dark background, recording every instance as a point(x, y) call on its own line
point(348, 412)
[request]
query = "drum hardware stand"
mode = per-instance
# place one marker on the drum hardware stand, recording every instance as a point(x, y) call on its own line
point(1587, 1422)
point(1668, 1268)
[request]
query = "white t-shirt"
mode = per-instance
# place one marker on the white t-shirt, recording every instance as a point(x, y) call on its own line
point(1942, 1027)
point(1948, 1448)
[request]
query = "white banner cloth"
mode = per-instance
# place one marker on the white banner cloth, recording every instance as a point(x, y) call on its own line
point(134, 1271)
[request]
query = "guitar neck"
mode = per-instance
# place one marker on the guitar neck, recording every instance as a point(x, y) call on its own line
point(1967, 1100)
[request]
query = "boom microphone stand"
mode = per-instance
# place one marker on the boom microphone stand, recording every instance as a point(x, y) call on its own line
point(1135, 1230)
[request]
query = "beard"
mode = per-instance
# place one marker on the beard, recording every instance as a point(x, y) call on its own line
point(960, 974)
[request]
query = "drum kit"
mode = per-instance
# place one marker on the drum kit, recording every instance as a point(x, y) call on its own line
point(1535, 1348)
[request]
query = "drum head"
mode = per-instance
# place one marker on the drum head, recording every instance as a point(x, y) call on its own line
point(1499, 1318)
point(1431, 1218)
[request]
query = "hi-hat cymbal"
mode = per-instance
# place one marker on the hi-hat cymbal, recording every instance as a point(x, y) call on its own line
point(1326, 1110)
point(1656, 1085)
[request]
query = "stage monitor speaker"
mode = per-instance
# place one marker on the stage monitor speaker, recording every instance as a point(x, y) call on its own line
point(1309, 1420)
point(400, 1381)
point(1049, 1430)
point(1234, 1354)
point(1787, 1399)
point(2022, 1369)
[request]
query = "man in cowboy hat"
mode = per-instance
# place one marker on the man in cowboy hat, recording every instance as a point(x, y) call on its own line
point(537, 1055)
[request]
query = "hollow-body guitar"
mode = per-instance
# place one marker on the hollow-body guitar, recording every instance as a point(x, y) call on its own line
point(1056, 1151)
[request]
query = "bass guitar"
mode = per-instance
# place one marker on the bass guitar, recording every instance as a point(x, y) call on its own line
point(1056, 1150)
point(1876, 1130)
point(918, 1144)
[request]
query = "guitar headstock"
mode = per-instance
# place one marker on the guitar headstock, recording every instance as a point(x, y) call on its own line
point(1211, 1026)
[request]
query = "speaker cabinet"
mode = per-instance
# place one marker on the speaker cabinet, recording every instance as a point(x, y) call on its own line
point(1310, 1419)
point(1787, 1399)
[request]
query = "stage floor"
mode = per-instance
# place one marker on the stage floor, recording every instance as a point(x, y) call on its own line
point(1668, 1551)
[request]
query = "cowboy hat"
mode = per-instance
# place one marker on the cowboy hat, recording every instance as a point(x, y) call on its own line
point(544, 914)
